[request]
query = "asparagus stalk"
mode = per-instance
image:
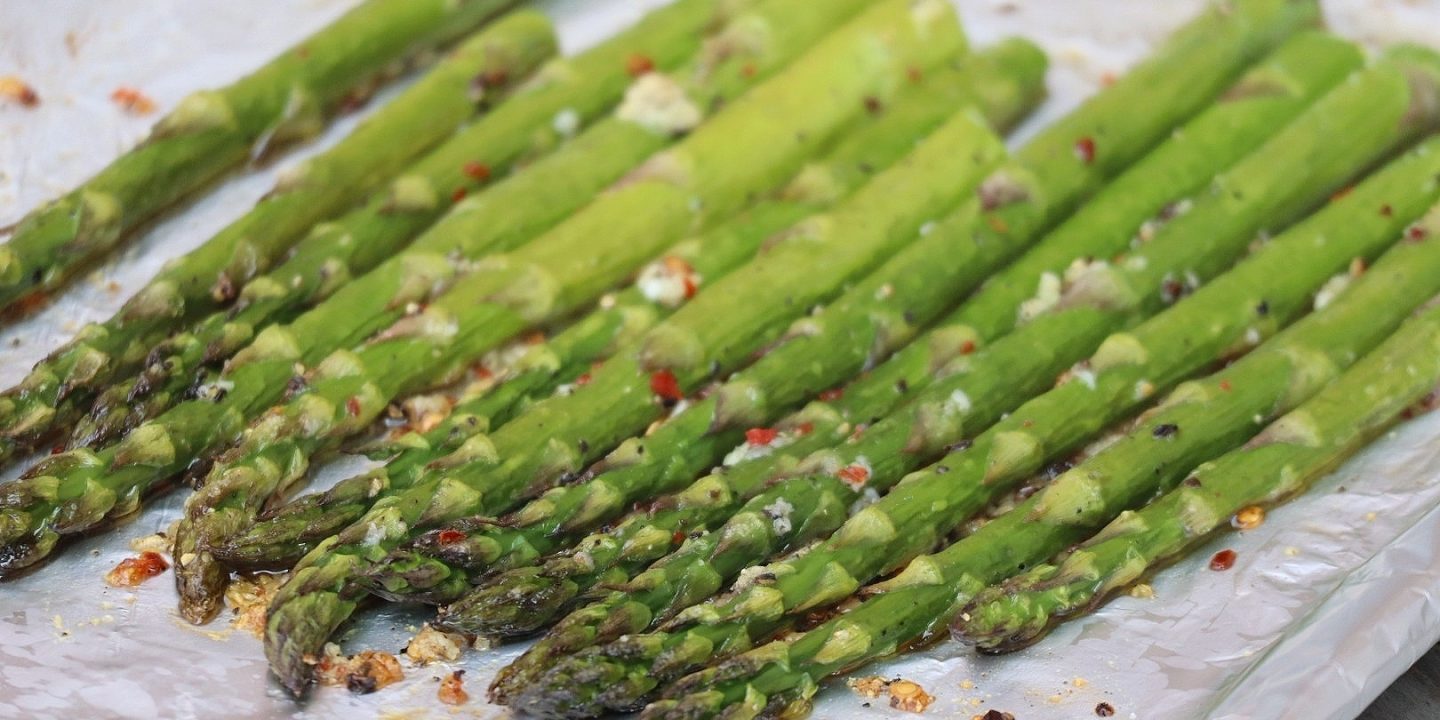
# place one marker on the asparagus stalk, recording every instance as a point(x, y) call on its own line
point(554, 279)
point(566, 96)
point(1212, 416)
point(883, 309)
point(56, 390)
point(755, 397)
point(680, 350)
point(213, 131)
point(1240, 307)
point(91, 486)
point(876, 145)
point(1006, 80)
point(1282, 461)
point(703, 172)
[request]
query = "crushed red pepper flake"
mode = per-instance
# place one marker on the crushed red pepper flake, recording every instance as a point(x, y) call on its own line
point(1222, 561)
point(1085, 150)
point(131, 572)
point(1416, 233)
point(1226, 386)
point(678, 266)
point(482, 373)
point(967, 347)
point(749, 70)
point(449, 536)
point(458, 194)
point(14, 89)
point(832, 395)
point(1387, 211)
point(854, 475)
point(583, 380)
point(132, 101)
point(477, 171)
point(639, 64)
point(352, 406)
point(761, 436)
point(805, 428)
point(1341, 193)
point(666, 385)
point(677, 537)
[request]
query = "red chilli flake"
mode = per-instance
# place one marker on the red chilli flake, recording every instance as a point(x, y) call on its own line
point(450, 537)
point(1387, 211)
point(749, 70)
point(1085, 150)
point(1225, 385)
point(677, 537)
point(352, 406)
point(477, 171)
point(761, 436)
point(1222, 561)
point(638, 64)
point(664, 384)
point(13, 88)
point(1342, 192)
point(458, 195)
point(583, 380)
point(832, 395)
point(805, 429)
point(854, 475)
point(1416, 233)
point(967, 347)
point(133, 571)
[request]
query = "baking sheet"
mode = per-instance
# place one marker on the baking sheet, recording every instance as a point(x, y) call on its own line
point(1332, 598)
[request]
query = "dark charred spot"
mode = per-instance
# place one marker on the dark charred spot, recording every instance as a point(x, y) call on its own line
point(1165, 430)
point(1263, 308)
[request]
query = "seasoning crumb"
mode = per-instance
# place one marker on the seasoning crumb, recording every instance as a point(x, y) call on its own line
point(904, 694)
point(1248, 518)
point(18, 91)
point(362, 673)
point(1079, 682)
point(1292, 551)
point(431, 645)
point(1143, 591)
point(994, 715)
point(967, 684)
point(157, 542)
point(132, 101)
point(452, 689)
point(248, 598)
point(1105, 709)
point(133, 571)
point(1370, 517)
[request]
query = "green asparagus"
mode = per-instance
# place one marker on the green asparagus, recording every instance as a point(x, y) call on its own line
point(882, 309)
point(55, 392)
point(1279, 462)
point(807, 361)
point(1199, 420)
point(1235, 310)
point(88, 486)
point(790, 115)
point(213, 131)
point(567, 95)
point(718, 252)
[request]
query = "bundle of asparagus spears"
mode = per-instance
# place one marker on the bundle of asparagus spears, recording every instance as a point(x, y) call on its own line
point(737, 351)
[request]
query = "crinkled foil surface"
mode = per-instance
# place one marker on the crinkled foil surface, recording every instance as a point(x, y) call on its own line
point(1331, 599)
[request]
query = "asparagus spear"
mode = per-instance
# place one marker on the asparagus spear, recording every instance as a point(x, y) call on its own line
point(883, 306)
point(680, 350)
point(807, 361)
point(213, 131)
point(100, 484)
point(1009, 77)
point(554, 279)
point(1212, 415)
point(877, 145)
point(702, 173)
point(569, 94)
point(55, 391)
point(1283, 460)
point(1206, 326)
